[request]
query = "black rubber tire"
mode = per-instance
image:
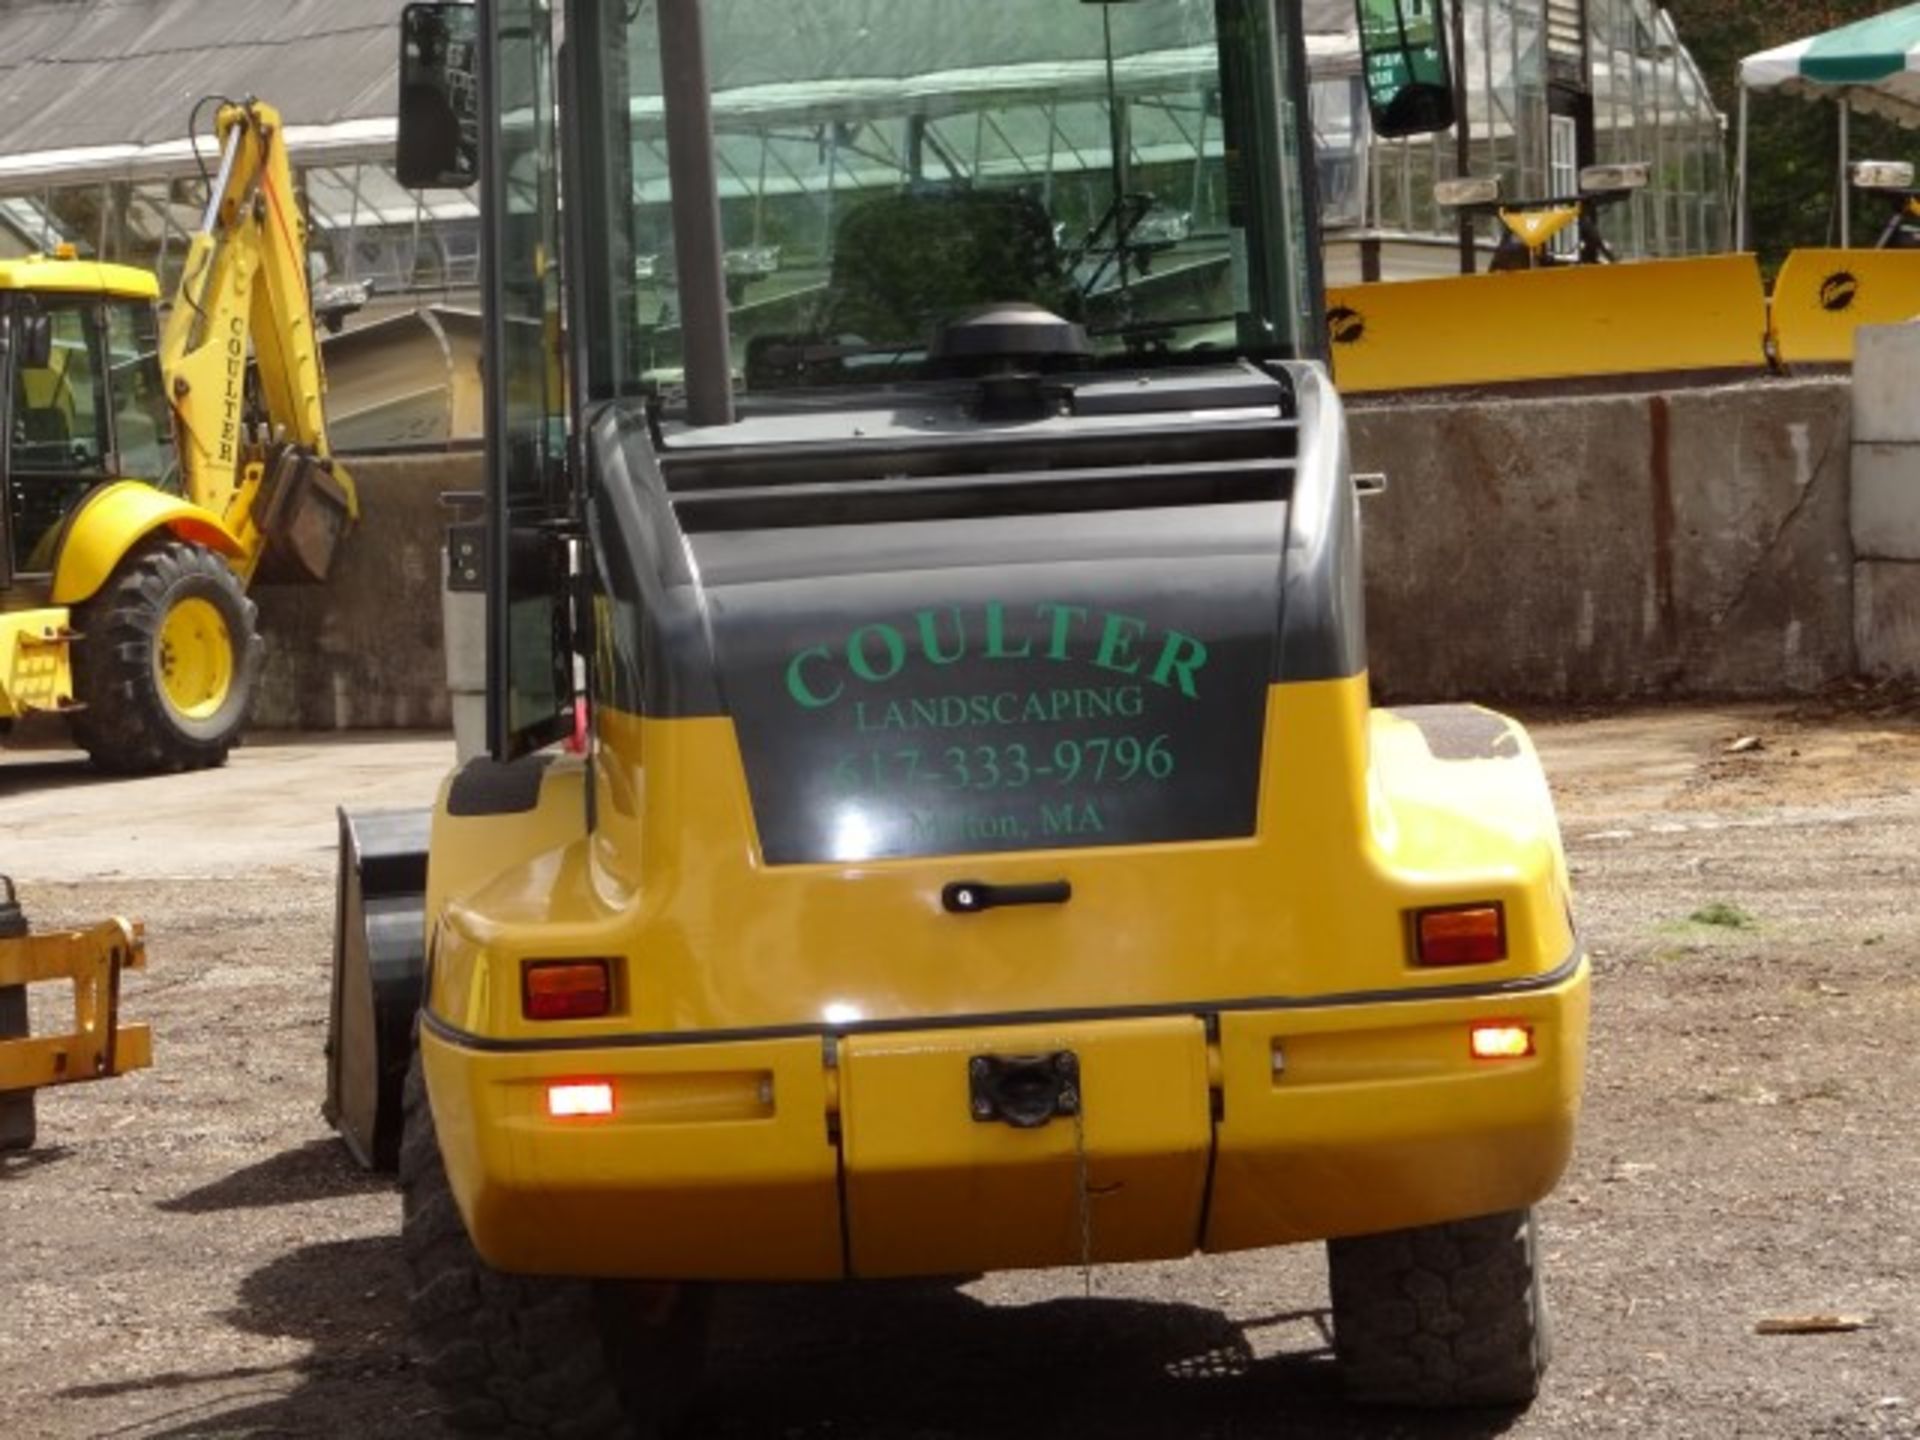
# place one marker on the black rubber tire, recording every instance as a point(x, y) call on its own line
point(533, 1355)
point(18, 1125)
point(128, 726)
point(1443, 1315)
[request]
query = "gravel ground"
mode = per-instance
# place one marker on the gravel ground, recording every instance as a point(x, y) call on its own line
point(188, 1253)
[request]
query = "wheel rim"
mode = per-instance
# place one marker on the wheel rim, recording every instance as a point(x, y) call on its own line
point(193, 661)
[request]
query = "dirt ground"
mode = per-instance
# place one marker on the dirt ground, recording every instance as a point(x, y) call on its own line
point(188, 1253)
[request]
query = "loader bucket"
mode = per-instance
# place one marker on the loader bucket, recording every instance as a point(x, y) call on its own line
point(1702, 317)
point(379, 952)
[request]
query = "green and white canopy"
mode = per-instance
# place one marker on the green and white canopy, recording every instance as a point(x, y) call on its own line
point(1873, 64)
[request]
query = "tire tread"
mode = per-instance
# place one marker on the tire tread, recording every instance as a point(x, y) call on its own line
point(1441, 1316)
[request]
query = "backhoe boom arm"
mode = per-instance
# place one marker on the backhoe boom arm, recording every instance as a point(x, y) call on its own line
point(244, 294)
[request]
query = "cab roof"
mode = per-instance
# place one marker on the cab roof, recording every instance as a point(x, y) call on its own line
point(81, 277)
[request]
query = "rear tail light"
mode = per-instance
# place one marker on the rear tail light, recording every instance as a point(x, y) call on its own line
point(579, 1098)
point(1502, 1041)
point(1460, 935)
point(566, 990)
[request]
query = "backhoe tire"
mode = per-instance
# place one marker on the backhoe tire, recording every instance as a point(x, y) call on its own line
point(1441, 1316)
point(529, 1355)
point(167, 662)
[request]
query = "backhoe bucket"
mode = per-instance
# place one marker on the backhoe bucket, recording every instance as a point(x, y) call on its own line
point(304, 511)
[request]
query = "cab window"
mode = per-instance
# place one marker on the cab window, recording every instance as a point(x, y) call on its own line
point(58, 442)
point(142, 425)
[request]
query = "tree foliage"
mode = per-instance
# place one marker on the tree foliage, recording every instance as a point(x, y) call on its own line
point(1794, 143)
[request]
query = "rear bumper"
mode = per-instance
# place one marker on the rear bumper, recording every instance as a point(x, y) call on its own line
point(803, 1156)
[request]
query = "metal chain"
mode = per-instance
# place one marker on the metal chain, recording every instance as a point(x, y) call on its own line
point(1085, 1196)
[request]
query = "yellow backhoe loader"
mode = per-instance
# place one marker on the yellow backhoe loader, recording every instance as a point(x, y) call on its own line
point(148, 475)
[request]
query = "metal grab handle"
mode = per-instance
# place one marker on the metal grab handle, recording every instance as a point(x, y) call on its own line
point(970, 897)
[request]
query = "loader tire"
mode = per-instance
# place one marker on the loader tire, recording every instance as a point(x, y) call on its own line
point(1441, 1316)
point(534, 1355)
point(167, 662)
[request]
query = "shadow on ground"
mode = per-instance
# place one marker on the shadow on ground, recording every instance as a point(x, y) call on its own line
point(877, 1362)
point(918, 1362)
point(37, 772)
point(318, 1170)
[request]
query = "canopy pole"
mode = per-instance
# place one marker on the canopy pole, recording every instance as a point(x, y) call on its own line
point(1846, 157)
point(1740, 182)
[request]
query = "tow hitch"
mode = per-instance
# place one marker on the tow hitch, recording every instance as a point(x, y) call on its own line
point(1024, 1091)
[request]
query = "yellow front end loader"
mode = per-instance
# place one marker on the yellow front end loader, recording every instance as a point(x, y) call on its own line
point(986, 853)
point(148, 475)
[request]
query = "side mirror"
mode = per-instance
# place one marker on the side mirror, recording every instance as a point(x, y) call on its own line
point(438, 146)
point(33, 333)
point(1883, 175)
point(1404, 53)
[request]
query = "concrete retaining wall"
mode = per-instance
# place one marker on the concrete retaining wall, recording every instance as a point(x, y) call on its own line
point(1690, 543)
point(1600, 548)
point(364, 652)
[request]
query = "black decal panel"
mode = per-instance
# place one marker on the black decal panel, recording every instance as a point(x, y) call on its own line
point(999, 684)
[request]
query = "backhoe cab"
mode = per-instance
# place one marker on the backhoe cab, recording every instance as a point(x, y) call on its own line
point(985, 854)
point(149, 475)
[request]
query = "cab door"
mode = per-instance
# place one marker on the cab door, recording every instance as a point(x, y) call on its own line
point(530, 506)
point(58, 438)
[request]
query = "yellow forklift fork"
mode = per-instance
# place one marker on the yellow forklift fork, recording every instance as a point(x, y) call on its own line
point(97, 1045)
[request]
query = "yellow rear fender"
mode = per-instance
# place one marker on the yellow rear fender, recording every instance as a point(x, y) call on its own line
point(495, 820)
point(1460, 804)
point(115, 518)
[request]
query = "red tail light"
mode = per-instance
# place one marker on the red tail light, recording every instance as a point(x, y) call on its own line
point(1460, 935)
point(566, 990)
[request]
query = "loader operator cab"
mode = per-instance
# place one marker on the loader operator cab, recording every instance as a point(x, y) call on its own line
point(902, 195)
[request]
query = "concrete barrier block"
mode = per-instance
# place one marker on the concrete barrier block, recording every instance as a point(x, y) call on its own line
point(1886, 502)
point(1887, 619)
point(1886, 385)
point(1506, 557)
point(1598, 548)
point(1761, 554)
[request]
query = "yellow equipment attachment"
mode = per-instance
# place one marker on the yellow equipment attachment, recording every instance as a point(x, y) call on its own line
point(1822, 296)
point(36, 672)
point(1661, 317)
point(1535, 229)
point(97, 1045)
